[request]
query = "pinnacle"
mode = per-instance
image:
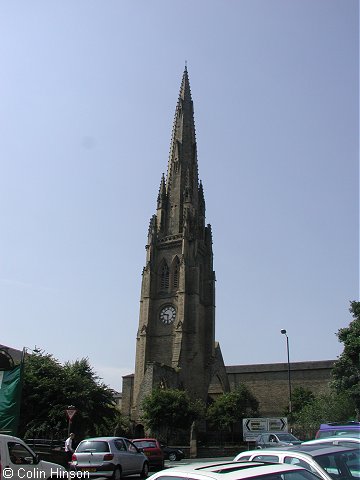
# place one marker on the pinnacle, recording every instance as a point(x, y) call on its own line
point(185, 91)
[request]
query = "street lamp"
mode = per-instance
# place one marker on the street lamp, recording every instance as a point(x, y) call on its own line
point(283, 331)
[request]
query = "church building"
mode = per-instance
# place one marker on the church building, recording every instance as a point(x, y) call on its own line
point(175, 342)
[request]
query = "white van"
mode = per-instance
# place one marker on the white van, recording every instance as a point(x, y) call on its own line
point(18, 461)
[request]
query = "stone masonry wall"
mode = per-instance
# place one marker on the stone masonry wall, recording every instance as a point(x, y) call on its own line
point(269, 382)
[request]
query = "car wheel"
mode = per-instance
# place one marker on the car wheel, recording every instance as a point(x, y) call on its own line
point(172, 456)
point(117, 474)
point(145, 470)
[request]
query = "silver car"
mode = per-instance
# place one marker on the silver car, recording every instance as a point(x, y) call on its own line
point(326, 461)
point(276, 439)
point(111, 457)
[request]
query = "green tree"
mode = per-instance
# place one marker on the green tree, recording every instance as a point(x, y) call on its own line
point(346, 371)
point(43, 404)
point(165, 410)
point(49, 388)
point(232, 407)
point(332, 407)
point(300, 397)
point(93, 400)
point(121, 425)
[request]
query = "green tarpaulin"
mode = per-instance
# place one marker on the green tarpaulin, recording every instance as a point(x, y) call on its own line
point(10, 396)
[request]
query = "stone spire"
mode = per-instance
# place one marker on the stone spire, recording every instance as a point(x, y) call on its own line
point(182, 181)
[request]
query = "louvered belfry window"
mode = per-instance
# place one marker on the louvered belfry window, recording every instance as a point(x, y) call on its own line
point(165, 274)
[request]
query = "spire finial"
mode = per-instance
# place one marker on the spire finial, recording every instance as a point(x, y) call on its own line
point(186, 65)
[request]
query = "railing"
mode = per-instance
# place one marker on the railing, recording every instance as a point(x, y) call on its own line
point(51, 450)
point(45, 443)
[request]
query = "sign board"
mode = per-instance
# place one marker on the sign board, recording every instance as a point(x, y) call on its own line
point(70, 412)
point(252, 427)
point(277, 425)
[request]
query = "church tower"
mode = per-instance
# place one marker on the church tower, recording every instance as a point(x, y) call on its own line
point(175, 343)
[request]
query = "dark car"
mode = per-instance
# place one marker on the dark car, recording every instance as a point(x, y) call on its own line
point(152, 449)
point(276, 439)
point(172, 453)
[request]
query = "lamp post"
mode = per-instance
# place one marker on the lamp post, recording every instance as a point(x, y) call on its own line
point(283, 331)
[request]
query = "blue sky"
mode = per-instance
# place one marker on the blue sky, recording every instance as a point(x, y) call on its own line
point(87, 100)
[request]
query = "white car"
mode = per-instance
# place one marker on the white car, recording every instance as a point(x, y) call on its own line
point(326, 461)
point(234, 471)
point(19, 461)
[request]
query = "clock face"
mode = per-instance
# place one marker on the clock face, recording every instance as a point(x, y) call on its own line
point(167, 314)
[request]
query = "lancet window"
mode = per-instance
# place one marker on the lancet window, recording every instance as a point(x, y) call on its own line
point(165, 276)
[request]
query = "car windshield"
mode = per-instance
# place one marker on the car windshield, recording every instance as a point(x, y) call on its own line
point(286, 437)
point(332, 433)
point(145, 443)
point(342, 464)
point(92, 446)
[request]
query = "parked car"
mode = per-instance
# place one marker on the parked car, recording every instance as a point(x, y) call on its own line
point(342, 440)
point(172, 453)
point(276, 439)
point(352, 433)
point(152, 449)
point(234, 471)
point(331, 429)
point(19, 461)
point(110, 457)
point(327, 462)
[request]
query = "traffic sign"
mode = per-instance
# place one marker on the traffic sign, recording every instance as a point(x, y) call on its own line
point(252, 427)
point(70, 412)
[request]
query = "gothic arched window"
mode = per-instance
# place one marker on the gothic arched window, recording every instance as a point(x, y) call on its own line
point(165, 274)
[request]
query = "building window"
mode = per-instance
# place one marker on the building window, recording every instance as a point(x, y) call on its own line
point(165, 274)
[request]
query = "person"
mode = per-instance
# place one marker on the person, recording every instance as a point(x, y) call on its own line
point(69, 449)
